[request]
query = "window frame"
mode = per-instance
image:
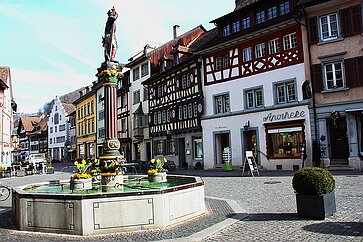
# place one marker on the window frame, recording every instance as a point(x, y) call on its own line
point(249, 54)
point(226, 30)
point(330, 37)
point(274, 45)
point(145, 71)
point(134, 95)
point(260, 16)
point(284, 84)
point(225, 103)
point(135, 74)
point(335, 87)
point(246, 22)
point(236, 26)
point(253, 91)
point(260, 52)
point(291, 43)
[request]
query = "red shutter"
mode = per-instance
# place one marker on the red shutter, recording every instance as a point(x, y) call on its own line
point(356, 19)
point(345, 22)
point(313, 30)
point(317, 76)
point(350, 74)
point(359, 69)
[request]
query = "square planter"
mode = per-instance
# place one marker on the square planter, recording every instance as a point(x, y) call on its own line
point(50, 170)
point(316, 206)
point(20, 173)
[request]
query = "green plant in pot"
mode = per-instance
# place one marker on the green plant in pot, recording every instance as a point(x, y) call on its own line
point(315, 196)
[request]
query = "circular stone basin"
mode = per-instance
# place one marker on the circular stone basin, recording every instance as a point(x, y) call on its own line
point(137, 204)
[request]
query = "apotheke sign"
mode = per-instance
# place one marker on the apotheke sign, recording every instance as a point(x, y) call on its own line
point(283, 116)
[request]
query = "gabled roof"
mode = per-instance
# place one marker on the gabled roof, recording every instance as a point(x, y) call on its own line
point(30, 122)
point(69, 108)
point(4, 76)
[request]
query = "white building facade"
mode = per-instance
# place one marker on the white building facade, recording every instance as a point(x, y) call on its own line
point(58, 130)
point(253, 91)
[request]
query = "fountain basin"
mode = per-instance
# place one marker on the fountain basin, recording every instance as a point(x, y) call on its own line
point(42, 208)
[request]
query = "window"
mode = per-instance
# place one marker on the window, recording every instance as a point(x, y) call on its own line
point(198, 148)
point(55, 128)
point(333, 74)
point(225, 61)
point(101, 115)
point(274, 46)
point(180, 112)
point(185, 111)
point(136, 97)
point(88, 109)
point(221, 103)
point(56, 119)
point(260, 50)
point(246, 22)
point(247, 54)
point(159, 144)
point(61, 139)
point(195, 109)
point(101, 133)
point(285, 142)
point(184, 81)
point(284, 7)
point(290, 41)
point(146, 94)
point(254, 98)
point(123, 125)
point(218, 63)
point(136, 73)
point(171, 147)
point(226, 30)
point(329, 27)
point(62, 127)
point(260, 17)
point(99, 98)
point(190, 110)
point(50, 140)
point(285, 92)
point(92, 107)
point(89, 126)
point(235, 26)
point(51, 129)
point(272, 12)
point(93, 126)
point(144, 69)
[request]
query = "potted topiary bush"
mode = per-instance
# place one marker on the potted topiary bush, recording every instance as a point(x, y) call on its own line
point(315, 195)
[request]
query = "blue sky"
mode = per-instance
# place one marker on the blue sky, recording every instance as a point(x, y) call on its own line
point(54, 46)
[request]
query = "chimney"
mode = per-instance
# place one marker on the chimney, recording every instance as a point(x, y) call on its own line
point(176, 31)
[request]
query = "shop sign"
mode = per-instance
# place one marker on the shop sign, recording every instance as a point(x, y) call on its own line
point(284, 116)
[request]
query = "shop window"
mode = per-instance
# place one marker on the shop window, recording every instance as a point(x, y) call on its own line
point(329, 27)
point(198, 148)
point(333, 75)
point(285, 142)
point(221, 103)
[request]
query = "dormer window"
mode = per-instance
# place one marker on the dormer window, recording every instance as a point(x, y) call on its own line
point(260, 16)
point(284, 7)
point(272, 12)
point(246, 22)
point(235, 26)
point(144, 69)
point(226, 30)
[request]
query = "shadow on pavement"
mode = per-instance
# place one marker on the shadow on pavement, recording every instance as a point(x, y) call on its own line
point(7, 221)
point(337, 228)
point(271, 217)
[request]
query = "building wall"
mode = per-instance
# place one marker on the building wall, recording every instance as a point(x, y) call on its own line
point(100, 120)
point(7, 120)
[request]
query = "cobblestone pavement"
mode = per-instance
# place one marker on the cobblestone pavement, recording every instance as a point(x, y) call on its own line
point(267, 204)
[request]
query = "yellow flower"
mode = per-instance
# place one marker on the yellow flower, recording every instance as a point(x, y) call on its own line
point(152, 161)
point(158, 161)
point(165, 160)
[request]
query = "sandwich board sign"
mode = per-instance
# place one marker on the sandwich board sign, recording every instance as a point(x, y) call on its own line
point(250, 162)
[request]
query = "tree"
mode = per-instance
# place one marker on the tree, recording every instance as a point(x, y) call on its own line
point(47, 107)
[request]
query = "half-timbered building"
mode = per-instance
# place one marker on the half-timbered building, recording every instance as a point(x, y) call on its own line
point(253, 74)
point(335, 49)
point(176, 102)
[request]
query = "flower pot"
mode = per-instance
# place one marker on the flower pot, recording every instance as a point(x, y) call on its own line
point(316, 206)
point(157, 177)
point(111, 181)
point(80, 184)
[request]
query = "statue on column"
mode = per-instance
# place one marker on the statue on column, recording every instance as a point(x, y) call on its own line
point(109, 40)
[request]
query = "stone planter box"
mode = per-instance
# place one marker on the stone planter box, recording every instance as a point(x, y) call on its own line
point(20, 173)
point(50, 170)
point(80, 184)
point(110, 182)
point(316, 206)
point(158, 177)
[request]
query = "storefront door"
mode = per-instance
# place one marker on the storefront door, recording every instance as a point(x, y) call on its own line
point(250, 143)
point(221, 142)
point(339, 146)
